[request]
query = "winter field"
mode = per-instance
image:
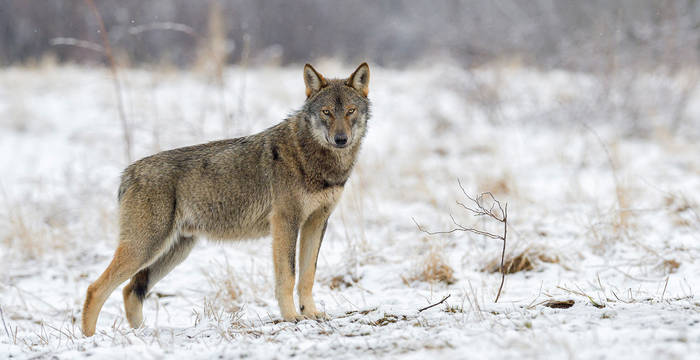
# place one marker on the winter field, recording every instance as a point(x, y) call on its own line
point(601, 174)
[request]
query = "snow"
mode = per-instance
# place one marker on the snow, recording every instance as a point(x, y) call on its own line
point(600, 185)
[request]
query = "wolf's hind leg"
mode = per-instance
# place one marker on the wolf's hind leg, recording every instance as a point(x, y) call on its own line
point(126, 262)
point(141, 283)
point(145, 232)
point(309, 245)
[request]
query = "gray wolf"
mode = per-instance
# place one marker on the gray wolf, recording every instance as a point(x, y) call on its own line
point(284, 181)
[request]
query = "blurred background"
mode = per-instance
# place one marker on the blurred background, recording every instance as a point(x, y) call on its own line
point(595, 35)
point(639, 58)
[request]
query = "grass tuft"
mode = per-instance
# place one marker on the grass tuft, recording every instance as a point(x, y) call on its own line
point(529, 259)
point(433, 269)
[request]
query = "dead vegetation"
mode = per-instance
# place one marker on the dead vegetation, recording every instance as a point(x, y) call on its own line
point(502, 184)
point(620, 222)
point(559, 304)
point(228, 292)
point(682, 211)
point(33, 236)
point(528, 259)
point(385, 320)
point(433, 269)
point(340, 282)
point(669, 266)
point(23, 236)
point(436, 304)
point(107, 51)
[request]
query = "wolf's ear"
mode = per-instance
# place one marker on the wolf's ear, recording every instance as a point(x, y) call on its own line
point(359, 80)
point(313, 80)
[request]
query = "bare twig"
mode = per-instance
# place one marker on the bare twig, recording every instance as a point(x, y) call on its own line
point(117, 85)
point(619, 193)
point(2, 315)
point(66, 41)
point(170, 26)
point(436, 304)
point(496, 211)
point(530, 306)
point(665, 285)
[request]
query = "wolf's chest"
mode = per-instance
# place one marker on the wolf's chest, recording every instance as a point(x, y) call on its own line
point(312, 201)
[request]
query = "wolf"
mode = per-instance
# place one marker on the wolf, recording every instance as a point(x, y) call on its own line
point(284, 181)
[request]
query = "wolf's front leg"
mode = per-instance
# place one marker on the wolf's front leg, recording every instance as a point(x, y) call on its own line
point(285, 227)
point(309, 245)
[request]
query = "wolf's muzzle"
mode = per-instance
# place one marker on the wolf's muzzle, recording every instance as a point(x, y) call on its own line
point(341, 140)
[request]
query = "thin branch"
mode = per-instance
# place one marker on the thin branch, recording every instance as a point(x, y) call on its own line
point(434, 232)
point(436, 304)
point(117, 86)
point(170, 26)
point(2, 315)
point(66, 41)
point(665, 285)
point(503, 252)
point(475, 231)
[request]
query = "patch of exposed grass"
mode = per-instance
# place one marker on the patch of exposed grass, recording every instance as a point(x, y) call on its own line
point(342, 281)
point(681, 210)
point(383, 321)
point(669, 266)
point(528, 259)
point(433, 269)
point(498, 185)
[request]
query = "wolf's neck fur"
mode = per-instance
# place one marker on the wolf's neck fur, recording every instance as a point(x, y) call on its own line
point(321, 165)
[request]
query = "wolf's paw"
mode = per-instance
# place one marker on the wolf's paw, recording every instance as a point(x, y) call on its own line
point(315, 315)
point(293, 318)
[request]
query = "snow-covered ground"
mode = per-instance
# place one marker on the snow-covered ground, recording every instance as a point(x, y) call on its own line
point(602, 198)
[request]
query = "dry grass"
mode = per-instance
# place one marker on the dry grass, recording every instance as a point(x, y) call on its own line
point(682, 211)
point(31, 238)
point(433, 269)
point(501, 185)
point(20, 235)
point(228, 292)
point(33, 230)
point(621, 223)
point(669, 266)
point(351, 213)
point(342, 281)
point(211, 61)
point(528, 259)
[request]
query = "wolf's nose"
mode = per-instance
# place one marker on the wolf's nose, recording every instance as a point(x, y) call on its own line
point(340, 139)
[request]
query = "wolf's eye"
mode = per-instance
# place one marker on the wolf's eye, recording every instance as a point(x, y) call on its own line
point(351, 111)
point(326, 112)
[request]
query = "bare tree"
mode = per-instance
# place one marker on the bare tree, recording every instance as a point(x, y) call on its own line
point(485, 205)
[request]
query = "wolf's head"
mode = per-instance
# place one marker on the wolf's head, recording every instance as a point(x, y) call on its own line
point(337, 109)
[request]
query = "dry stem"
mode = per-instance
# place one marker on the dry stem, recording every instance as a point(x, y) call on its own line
point(436, 304)
point(126, 132)
point(2, 315)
